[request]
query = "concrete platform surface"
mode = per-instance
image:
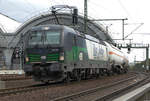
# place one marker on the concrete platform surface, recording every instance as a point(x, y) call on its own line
point(135, 94)
point(17, 83)
point(11, 72)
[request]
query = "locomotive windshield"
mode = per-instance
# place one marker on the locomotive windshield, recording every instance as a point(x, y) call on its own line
point(44, 37)
point(35, 38)
point(52, 37)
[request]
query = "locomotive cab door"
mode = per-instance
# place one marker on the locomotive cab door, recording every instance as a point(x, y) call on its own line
point(75, 48)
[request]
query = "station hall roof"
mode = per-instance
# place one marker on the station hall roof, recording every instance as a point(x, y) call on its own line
point(17, 29)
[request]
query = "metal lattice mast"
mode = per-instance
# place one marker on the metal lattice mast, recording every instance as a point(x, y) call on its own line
point(85, 16)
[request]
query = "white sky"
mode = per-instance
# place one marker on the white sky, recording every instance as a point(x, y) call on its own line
point(137, 11)
point(8, 25)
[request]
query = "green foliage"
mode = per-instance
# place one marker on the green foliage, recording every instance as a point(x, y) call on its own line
point(140, 65)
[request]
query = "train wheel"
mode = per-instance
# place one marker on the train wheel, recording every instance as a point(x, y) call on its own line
point(97, 76)
point(108, 72)
point(112, 73)
point(67, 79)
point(79, 78)
point(120, 71)
point(47, 82)
point(125, 70)
point(77, 75)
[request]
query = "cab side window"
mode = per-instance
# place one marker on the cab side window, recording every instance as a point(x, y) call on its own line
point(69, 41)
point(80, 42)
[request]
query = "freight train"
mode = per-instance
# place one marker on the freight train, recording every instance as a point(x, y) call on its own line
point(58, 52)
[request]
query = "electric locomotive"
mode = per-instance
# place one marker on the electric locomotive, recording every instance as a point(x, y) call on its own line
point(58, 52)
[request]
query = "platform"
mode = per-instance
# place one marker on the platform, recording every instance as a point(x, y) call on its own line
point(135, 95)
point(17, 83)
point(11, 72)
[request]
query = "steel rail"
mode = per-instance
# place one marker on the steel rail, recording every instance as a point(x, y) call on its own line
point(90, 91)
point(114, 93)
point(9, 91)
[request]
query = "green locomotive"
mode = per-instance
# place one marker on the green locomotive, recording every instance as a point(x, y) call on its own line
point(57, 52)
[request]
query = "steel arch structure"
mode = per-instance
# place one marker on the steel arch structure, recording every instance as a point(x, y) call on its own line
point(94, 29)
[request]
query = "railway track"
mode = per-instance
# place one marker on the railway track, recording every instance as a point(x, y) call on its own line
point(7, 92)
point(109, 96)
point(10, 91)
point(22, 90)
point(85, 95)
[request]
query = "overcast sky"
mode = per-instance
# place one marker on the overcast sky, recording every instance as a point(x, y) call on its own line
point(21, 9)
point(137, 11)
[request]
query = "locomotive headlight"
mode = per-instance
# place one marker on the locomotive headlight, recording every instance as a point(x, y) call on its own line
point(27, 59)
point(61, 57)
point(43, 57)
